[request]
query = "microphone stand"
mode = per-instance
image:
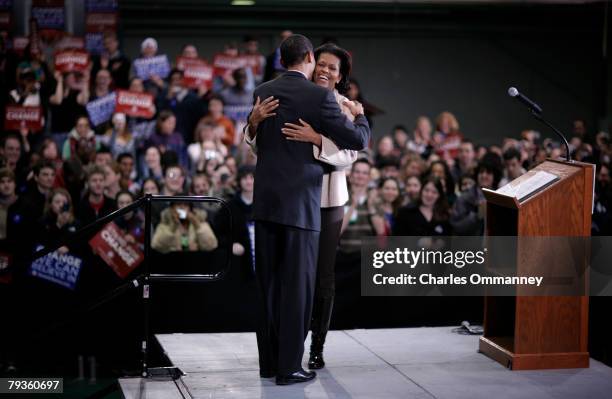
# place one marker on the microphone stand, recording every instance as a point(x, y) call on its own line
point(538, 116)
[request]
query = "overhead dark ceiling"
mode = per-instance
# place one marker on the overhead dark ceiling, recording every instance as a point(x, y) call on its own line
point(358, 17)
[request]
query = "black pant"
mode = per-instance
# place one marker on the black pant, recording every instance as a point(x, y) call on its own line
point(285, 259)
point(331, 224)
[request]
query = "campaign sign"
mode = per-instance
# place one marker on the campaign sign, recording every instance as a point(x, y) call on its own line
point(147, 67)
point(94, 43)
point(70, 42)
point(237, 112)
point(101, 5)
point(110, 244)
point(135, 104)
point(71, 60)
point(17, 117)
point(101, 109)
point(254, 61)
point(20, 43)
point(223, 63)
point(61, 269)
point(196, 72)
point(101, 21)
point(49, 17)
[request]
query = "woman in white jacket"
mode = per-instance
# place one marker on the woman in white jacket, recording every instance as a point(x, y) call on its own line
point(333, 66)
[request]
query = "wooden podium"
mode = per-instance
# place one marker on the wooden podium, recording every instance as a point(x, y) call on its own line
point(541, 332)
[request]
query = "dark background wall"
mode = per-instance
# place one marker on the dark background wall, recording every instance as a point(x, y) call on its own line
point(414, 59)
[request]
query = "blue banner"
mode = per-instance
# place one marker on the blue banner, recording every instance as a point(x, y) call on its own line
point(94, 43)
point(238, 113)
point(101, 5)
point(49, 17)
point(61, 269)
point(102, 109)
point(147, 67)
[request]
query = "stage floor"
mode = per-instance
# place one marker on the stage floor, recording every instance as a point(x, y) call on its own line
point(382, 363)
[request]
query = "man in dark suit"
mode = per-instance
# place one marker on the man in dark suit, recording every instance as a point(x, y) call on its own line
point(286, 207)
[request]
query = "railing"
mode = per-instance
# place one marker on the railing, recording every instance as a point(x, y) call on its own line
point(145, 279)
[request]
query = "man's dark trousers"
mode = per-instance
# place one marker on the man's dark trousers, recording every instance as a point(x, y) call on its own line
point(286, 259)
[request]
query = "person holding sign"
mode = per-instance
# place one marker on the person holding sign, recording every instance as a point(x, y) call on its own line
point(113, 61)
point(151, 67)
point(70, 97)
point(27, 92)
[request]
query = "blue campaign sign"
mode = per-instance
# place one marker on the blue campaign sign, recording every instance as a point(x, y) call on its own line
point(237, 112)
point(61, 269)
point(102, 109)
point(49, 17)
point(101, 5)
point(94, 43)
point(147, 67)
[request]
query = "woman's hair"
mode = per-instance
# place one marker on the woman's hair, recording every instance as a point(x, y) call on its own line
point(125, 192)
point(449, 182)
point(441, 209)
point(200, 127)
point(490, 162)
point(346, 63)
point(114, 165)
point(7, 172)
point(46, 143)
point(125, 130)
point(408, 159)
point(454, 124)
point(398, 201)
point(142, 193)
point(66, 194)
point(164, 115)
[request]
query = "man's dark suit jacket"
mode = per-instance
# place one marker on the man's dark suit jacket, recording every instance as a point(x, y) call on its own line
point(287, 177)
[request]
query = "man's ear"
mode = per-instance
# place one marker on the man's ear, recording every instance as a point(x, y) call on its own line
point(309, 57)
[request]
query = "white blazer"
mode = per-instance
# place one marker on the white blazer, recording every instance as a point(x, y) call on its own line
point(334, 191)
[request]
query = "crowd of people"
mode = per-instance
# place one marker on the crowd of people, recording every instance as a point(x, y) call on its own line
point(419, 179)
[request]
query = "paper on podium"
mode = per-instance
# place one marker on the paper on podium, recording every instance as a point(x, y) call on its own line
point(528, 184)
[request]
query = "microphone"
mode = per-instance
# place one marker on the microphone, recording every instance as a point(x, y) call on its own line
point(536, 111)
point(513, 92)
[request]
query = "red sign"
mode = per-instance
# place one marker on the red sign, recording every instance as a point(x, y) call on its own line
point(71, 61)
point(134, 104)
point(223, 64)
point(101, 21)
point(110, 245)
point(17, 117)
point(196, 72)
point(254, 61)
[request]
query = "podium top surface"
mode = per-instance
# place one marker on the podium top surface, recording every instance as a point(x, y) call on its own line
point(561, 169)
